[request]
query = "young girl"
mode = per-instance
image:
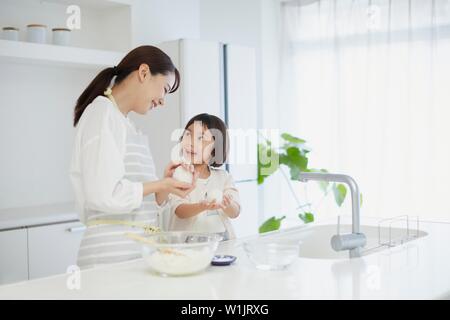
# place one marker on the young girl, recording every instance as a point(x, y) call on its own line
point(204, 144)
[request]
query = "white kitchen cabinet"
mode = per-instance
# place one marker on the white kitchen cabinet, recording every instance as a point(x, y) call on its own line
point(247, 222)
point(241, 115)
point(241, 111)
point(201, 67)
point(52, 248)
point(13, 256)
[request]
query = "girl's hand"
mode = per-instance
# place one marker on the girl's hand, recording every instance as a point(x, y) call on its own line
point(227, 201)
point(230, 207)
point(169, 170)
point(211, 205)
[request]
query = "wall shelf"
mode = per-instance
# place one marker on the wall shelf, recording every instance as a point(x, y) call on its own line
point(96, 3)
point(104, 25)
point(34, 53)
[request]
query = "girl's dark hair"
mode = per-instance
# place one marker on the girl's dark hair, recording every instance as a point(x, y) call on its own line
point(156, 59)
point(219, 131)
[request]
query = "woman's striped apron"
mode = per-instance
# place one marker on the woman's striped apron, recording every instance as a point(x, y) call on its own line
point(104, 240)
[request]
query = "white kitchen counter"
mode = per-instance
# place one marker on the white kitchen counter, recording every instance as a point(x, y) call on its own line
point(419, 269)
point(13, 218)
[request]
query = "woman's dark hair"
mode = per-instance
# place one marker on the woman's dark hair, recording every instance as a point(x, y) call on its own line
point(156, 59)
point(219, 132)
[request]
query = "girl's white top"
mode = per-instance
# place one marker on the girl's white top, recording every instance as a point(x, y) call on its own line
point(210, 220)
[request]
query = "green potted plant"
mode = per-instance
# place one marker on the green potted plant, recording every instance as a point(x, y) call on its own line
point(293, 155)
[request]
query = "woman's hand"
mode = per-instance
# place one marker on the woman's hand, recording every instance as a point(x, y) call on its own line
point(179, 188)
point(170, 168)
point(170, 185)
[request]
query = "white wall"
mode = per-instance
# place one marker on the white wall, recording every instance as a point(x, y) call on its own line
point(36, 132)
point(156, 21)
point(233, 21)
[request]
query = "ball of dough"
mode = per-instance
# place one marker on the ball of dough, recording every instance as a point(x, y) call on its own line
point(181, 174)
point(215, 194)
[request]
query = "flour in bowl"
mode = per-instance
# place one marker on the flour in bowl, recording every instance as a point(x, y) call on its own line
point(183, 262)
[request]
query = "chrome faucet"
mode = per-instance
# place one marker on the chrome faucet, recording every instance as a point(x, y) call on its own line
point(353, 241)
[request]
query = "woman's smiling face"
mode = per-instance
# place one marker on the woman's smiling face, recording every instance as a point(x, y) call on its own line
point(197, 143)
point(153, 89)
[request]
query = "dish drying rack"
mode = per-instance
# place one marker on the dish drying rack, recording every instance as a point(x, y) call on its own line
point(390, 240)
point(387, 235)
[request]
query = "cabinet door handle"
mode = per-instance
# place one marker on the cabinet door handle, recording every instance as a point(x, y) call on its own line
point(76, 229)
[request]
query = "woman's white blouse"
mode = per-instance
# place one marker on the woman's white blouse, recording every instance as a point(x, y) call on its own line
point(97, 167)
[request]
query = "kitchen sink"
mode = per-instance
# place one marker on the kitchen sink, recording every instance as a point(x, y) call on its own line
point(315, 239)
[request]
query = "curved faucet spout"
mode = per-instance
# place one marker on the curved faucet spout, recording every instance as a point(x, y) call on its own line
point(356, 239)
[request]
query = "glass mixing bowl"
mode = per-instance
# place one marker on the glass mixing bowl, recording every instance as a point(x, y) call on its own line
point(271, 255)
point(179, 253)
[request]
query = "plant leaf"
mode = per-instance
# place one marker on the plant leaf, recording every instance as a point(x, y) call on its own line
point(295, 161)
point(339, 191)
point(291, 141)
point(265, 166)
point(290, 138)
point(307, 217)
point(295, 173)
point(324, 186)
point(271, 224)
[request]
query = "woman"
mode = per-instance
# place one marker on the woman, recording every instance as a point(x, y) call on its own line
point(112, 169)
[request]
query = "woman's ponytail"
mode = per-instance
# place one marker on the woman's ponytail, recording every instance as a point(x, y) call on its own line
point(95, 88)
point(155, 58)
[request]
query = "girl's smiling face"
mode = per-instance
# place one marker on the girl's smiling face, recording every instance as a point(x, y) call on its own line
point(197, 143)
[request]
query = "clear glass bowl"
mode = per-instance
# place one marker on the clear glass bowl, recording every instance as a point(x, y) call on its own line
point(271, 255)
point(179, 253)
